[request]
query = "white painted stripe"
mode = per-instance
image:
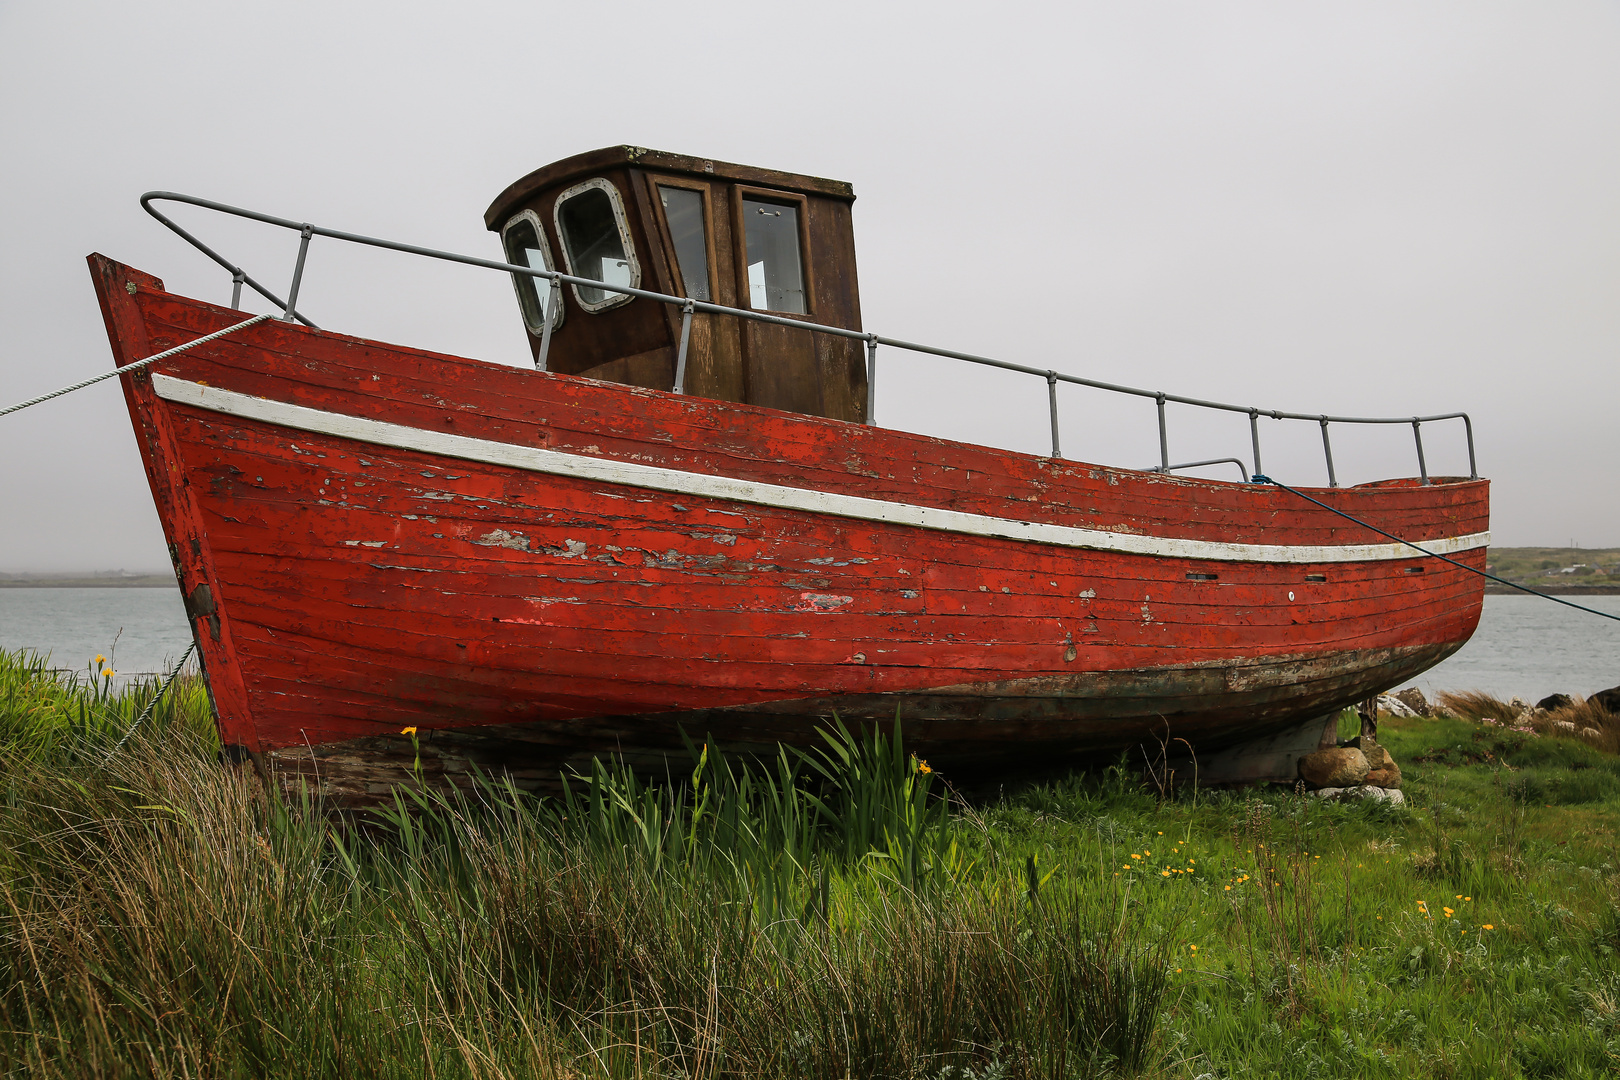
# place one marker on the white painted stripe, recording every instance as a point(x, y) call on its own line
point(634, 474)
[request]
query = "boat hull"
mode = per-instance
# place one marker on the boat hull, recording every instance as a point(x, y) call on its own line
point(372, 538)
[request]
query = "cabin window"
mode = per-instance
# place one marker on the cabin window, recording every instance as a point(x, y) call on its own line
point(683, 212)
point(525, 243)
point(596, 242)
point(775, 267)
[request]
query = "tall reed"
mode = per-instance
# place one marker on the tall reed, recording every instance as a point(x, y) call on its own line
point(809, 916)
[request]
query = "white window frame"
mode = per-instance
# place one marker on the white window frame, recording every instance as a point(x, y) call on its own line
point(613, 299)
point(561, 309)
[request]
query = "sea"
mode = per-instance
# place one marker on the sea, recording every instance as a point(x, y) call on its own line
point(1525, 646)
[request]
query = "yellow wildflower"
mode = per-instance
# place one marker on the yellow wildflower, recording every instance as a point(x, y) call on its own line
point(408, 731)
point(109, 672)
point(100, 659)
point(922, 766)
point(1488, 926)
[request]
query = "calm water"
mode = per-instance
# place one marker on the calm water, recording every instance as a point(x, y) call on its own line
point(1524, 645)
point(1532, 647)
point(73, 625)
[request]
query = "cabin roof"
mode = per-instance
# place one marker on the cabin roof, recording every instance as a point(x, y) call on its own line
point(593, 161)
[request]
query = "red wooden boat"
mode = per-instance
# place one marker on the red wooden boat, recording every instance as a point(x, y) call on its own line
point(528, 566)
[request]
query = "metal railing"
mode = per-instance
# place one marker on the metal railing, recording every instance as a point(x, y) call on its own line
point(688, 307)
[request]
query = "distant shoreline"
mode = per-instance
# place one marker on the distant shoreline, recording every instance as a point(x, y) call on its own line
point(90, 581)
point(1493, 589)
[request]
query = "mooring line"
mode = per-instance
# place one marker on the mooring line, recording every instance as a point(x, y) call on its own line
point(151, 706)
point(137, 365)
point(1262, 479)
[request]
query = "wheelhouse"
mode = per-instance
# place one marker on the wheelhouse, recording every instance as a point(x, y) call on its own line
point(704, 230)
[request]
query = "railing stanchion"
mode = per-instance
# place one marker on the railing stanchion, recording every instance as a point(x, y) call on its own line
point(548, 312)
point(689, 307)
point(1327, 452)
point(1254, 437)
point(871, 379)
point(1051, 400)
point(1417, 434)
point(680, 357)
point(1164, 436)
point(298, 273)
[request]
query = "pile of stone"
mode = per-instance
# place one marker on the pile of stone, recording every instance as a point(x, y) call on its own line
point(1355, 769)
point(1529, 715)
point(1359, 768)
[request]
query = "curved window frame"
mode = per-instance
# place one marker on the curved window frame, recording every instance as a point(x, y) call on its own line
point(612, 300)
point(536, 327)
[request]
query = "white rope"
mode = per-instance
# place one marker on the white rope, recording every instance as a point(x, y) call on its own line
point(137, 365)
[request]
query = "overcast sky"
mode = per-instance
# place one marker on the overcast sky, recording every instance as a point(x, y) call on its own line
point(1358, 208)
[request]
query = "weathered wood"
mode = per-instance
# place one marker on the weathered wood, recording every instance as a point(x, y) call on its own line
point(521, 618)
point(177, 508)
point(728, 359)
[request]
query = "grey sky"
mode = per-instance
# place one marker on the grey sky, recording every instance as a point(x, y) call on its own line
point(1362, 208)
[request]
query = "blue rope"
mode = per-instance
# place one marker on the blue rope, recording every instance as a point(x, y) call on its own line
point(1260, 479)
point(152, 705)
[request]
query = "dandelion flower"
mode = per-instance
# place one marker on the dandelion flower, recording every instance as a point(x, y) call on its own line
point(1229, 888)
point(1166, 873)
point(407, 731)
point(1194, 948)
point(1488, 926)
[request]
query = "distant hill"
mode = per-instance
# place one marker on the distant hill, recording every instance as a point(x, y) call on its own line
point(95, 579)
point(1556, 570)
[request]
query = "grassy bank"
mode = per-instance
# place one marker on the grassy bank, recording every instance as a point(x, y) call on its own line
point(1557, 569)
point(825, 917)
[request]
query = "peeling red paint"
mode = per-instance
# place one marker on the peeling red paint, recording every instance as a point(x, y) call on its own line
point(658, 603)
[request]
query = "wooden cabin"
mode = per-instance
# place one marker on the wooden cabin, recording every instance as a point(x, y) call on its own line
point(708, 230)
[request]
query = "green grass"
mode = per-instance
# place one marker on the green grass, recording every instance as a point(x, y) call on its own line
point(828, 915)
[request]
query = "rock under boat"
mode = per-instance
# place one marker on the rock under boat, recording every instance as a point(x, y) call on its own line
point(684, 519)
